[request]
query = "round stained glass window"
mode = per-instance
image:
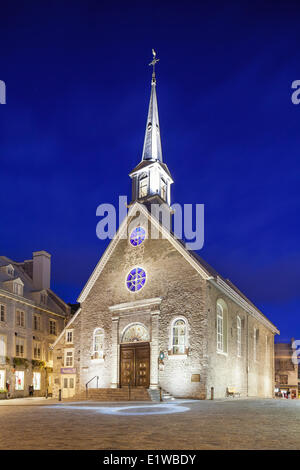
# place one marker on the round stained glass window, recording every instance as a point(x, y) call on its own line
point(136, 279)
point(137, 236)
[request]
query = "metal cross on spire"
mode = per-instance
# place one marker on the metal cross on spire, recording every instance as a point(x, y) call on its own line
point(154, 61)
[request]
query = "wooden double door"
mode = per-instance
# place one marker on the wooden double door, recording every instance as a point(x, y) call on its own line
point(135, 365)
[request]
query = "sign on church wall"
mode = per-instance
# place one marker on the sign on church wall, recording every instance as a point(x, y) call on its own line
point(195, 378)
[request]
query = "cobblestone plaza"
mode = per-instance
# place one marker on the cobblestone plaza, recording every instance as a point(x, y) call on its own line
point(183, 424)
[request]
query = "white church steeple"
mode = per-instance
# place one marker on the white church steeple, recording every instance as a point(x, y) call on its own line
point(152, 142)
point(151, 179)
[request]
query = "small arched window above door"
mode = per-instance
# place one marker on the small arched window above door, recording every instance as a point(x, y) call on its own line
point(135, 333)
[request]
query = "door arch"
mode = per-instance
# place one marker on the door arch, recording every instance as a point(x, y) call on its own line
point(135, 332)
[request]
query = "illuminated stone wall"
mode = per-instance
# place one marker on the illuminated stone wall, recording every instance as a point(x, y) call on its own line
point(247, 376)
point(170, 277)
point(183, 293)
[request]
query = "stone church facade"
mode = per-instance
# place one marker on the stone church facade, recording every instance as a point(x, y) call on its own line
point(155, 315)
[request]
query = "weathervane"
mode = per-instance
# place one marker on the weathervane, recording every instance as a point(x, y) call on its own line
point(154, 61)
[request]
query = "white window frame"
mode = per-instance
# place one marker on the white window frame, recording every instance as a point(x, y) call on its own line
point(38, 317)
point(220, 328)
point(239, 335)
point(69, 333)
point(20, 319)
point(37, 346)
point(10, 271)
point(18, 289)
point(67, 356)
point(143, 186)
point(51, 321)
point(20, 344)
point(182, 347)
point(222, 316)
point(98, 352)
point(2, 313)
point(43, 298)
point(163, 189)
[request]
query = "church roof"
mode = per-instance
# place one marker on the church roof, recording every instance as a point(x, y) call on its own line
point(202, 267)
point(221, 281)
point(145, 163)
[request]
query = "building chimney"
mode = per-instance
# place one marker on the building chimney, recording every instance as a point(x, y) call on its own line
point(41, 269)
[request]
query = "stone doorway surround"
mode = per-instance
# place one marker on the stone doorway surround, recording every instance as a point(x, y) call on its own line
point(135, 364)
point(146, 312)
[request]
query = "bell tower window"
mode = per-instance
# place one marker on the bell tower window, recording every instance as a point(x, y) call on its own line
point(163, 190)
point(143, 186)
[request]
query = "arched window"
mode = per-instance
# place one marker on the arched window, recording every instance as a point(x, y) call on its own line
point(179, 336)
point(267, 350)
point(239, 336)
point(222, 313)
point(135, 333)
point(98, 344)
point(143, 186)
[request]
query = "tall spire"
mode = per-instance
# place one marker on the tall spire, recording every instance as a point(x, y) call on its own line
point(152, 143)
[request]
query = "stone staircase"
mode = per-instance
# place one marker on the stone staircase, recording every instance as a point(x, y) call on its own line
point(115, 394)
point(166, 396)
point(155, 395)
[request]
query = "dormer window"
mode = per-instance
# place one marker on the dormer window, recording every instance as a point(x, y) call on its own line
point(163, 190)
point(143, 186)
point(44, 298)
point(17, 288)
point(10, 270)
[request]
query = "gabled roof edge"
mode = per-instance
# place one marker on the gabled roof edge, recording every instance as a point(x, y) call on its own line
point(65, 328)
point(166, 234)
point(224, 287)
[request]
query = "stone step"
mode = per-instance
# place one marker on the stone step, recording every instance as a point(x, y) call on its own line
point(114, 394)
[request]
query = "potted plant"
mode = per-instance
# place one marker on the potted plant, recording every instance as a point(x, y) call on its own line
point(20, 361)
point(38, 364)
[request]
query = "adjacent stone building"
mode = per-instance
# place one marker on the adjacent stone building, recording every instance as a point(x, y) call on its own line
point(286, 370)
point(154, 314)
point(31, 318)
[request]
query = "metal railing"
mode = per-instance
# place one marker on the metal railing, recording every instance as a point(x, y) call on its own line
point(129, 391)
point(86, 385)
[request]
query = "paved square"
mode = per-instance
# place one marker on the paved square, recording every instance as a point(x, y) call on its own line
point(183, 424)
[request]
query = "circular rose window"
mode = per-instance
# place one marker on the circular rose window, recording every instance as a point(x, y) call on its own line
point(137, 236)
point(136, 279)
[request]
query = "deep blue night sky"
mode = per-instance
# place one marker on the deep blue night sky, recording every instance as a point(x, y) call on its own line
point(78, 86)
